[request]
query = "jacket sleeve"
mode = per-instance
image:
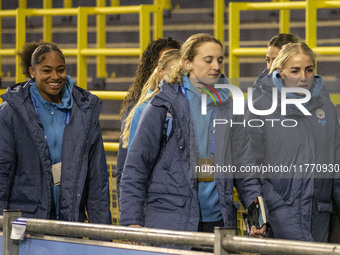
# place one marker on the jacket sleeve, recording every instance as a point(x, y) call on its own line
point(258, 146)
point(140, 160)
point(98, 201)
point(7, 155)
point(247, 185)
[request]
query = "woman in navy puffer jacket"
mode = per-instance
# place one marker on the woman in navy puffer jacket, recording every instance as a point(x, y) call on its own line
point(160, 187)
point(299, 199)
point(52, 160)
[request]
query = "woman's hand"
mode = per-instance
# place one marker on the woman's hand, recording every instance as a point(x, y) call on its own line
point(134, 226)
point(259, 233)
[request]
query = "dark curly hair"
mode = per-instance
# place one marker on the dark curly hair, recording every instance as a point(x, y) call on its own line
point(32, 54)
point(147, 64)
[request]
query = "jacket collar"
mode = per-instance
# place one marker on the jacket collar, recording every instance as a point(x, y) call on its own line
point(17, 93)
point(315, 89)
point(167, 95)
point(20, 92)
point(274, 80)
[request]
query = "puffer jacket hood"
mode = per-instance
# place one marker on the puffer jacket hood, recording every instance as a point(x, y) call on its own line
point(264, 85)
point(274, 80)
point(315, 89)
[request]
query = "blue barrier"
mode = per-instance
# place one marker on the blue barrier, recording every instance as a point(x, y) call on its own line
point(48, 247)
point(61, 237)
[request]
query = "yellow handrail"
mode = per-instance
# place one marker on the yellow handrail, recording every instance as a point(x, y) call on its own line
point(250, 51)
point(82, 14)
point(67, 3)
point(47, 22)
point(8, 13)
point(272, 6)
point(20, 34)
point(111, 146)
point(22, 3)
point(101, 40)
point(7, 52)
point(110, 95)
point(219, 9)
point(284, 19)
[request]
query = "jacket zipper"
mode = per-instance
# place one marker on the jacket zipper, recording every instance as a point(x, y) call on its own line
point(80, 162)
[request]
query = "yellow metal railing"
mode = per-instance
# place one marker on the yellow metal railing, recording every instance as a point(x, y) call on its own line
point(82, 13)
point(109, 95)
point(101, 40)
point(284, 6)
point(68, 3)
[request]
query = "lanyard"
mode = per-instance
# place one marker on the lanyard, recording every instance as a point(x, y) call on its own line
point(212, 145)
point(67, 116)
point(184, 91)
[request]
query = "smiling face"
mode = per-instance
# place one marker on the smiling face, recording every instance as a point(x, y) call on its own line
point(298, 71)
point(50, 76)
point(207, 63)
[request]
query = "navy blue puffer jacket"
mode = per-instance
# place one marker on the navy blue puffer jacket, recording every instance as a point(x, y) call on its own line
point(25, 166)
point(299, 201)
point(157, 188)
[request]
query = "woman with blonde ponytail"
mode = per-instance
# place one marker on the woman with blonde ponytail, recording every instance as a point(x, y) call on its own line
point(166, 61)
point(160, 186)
point(147, 64)
point(299, 202)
